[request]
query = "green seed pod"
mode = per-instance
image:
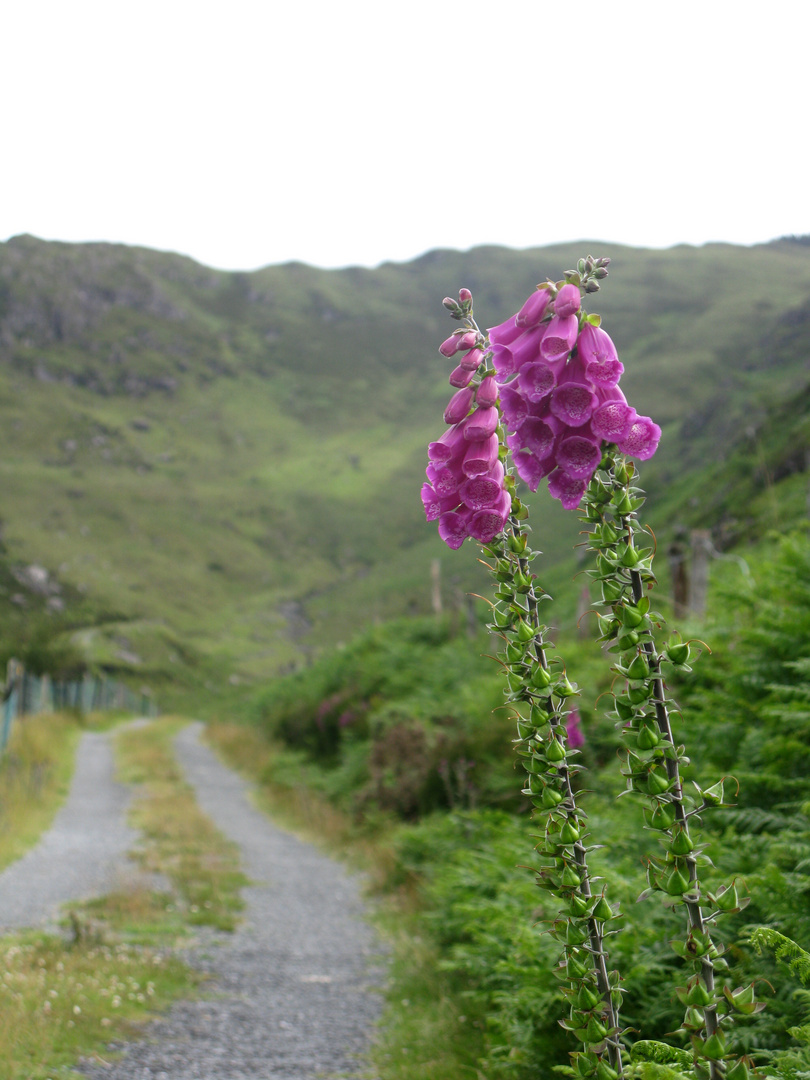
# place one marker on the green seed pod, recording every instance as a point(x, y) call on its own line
point(631, 617)
point(727, 899)
point(517, 544)
point(743, 999)
point(515, 652)
point(569, 833)
point(657, 783)
point(622, 504)
point(571, 880)
point(625, 709)
point(693, 1018)
point(637, 694)
point(604, 1072)
point(605, 564)
point(648, 738)
point(595, 1030)
point(628, 556)
point(575, 933)
point(682, 843)
point(565, 689)
point(555, 751)
point(540, 677)
point(578, 905)
point(639, 668)
point(713, 795)
point(585, 998)
point(715, 1046)
point(627, 641)
point(677, 883)
point(551, 798)
point(574, 967)
point(677, 652)
point(612, 591)
point(539, 716)
point(524, 631)
point(662, 817)
point(603, 910)
point(524, 728)
point(738, 1071)
point(698, 995)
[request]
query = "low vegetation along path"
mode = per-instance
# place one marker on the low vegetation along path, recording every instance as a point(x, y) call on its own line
point(292, 994)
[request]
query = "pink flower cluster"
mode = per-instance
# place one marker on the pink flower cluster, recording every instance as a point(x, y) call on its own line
point(465, 491)
point(560, 397)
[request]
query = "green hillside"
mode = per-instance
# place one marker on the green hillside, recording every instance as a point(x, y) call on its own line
point(219, 471)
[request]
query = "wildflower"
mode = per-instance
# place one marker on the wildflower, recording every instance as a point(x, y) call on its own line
point(459, 405)
point(568, 301)
point(573, 730)
point(534, 309)
point(560, 336)
point(641, 440)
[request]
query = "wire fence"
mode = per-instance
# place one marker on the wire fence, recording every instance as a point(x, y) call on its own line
point(25, 694)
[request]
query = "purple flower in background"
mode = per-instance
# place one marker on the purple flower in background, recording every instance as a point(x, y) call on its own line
point(573, 730)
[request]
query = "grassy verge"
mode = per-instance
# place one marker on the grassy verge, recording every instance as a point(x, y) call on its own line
point(35, 772)
point(428, 1031)
point(60, 999)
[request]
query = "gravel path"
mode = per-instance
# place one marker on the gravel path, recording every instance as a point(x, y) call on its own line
point(83, 854)
point(292, 995)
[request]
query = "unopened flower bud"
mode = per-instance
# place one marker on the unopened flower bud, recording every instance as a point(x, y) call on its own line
point(461, 376)
point(472, 360)
point(534, 309)
point(450, 346)
point(450, 304)
point(459, 405)
point(568, 301)
point(464, 296)
point(487, 393)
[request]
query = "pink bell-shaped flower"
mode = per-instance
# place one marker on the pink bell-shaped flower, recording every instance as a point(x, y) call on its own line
point(566, 488)
point(612, 419)
point(504, 333)
point(560, 337)
point(579, 456)
point(478, 492)
point(536, 380)
point(453, 527)
point(484, 525)
point(479, 457)
point(532, 469)
point(481, 424)
point(598, 354)
point(641, 441)
point(435, 505)
point(573, 399)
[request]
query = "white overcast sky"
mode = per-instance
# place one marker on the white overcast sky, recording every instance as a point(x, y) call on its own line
point(245, 133)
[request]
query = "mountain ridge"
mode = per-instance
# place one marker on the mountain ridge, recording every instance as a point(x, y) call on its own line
point(235, 457)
